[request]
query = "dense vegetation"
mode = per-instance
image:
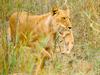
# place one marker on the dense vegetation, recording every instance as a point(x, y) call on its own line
point(85, 56)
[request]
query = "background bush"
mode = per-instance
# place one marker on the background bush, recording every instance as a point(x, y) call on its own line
point(85, 56)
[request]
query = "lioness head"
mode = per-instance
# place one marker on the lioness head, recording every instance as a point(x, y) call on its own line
point(61, 23)
point(61, 18)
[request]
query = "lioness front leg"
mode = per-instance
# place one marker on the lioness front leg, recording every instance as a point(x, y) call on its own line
point(41, 61)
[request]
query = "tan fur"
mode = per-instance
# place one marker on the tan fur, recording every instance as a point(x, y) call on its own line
point(48, 25)
point(22, 23)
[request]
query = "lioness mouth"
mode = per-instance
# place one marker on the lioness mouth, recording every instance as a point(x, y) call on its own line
point(63, 31)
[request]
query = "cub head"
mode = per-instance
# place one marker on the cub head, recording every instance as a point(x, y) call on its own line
point(61, 18)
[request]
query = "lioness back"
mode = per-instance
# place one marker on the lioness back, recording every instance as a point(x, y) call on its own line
point(27, 23)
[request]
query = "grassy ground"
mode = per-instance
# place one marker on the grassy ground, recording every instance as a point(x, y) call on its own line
point(85, 56)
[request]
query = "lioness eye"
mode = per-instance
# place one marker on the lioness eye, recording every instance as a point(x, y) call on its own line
point(63, 17)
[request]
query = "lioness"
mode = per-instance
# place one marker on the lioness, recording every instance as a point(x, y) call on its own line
point(57, 20)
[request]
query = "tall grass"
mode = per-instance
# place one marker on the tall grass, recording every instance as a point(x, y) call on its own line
point(85, 56)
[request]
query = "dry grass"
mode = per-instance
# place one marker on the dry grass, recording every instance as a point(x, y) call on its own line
point(85, 56)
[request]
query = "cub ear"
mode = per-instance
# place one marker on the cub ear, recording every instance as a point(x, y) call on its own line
point(54, 10)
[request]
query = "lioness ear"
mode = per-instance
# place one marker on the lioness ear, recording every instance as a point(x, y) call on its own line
point(67, 9)
point(54, 10)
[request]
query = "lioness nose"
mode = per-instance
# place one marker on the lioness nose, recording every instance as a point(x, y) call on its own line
point(69, 27)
